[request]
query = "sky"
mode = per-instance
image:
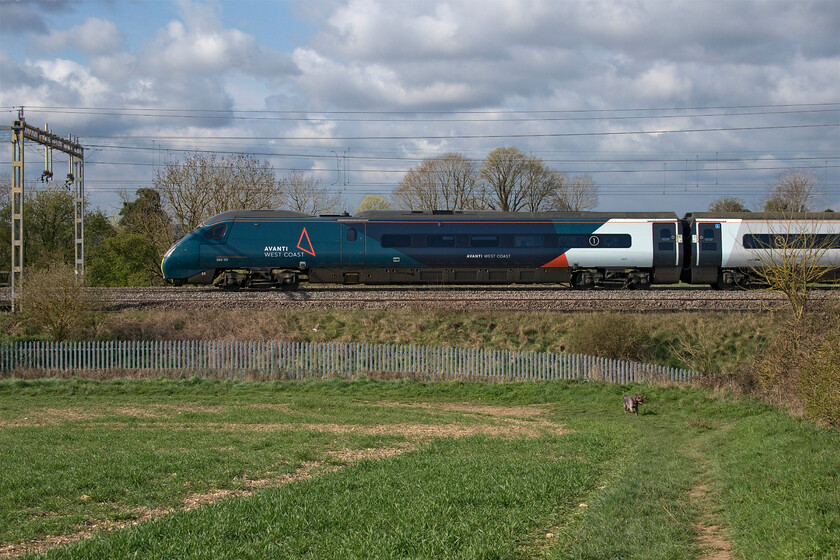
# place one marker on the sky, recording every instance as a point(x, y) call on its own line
point(667, 105)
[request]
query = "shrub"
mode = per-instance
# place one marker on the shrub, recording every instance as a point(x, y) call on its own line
point(819, 381)
point(619, 336)
point(801, 369)
point(55, 303)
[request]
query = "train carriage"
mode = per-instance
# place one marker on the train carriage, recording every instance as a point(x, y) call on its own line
point(261, 248)
point(276, 249)
point(726, 247)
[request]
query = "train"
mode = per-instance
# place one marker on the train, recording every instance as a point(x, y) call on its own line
point(279, 249)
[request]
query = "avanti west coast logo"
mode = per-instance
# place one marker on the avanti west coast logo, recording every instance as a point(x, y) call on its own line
point(304, 244)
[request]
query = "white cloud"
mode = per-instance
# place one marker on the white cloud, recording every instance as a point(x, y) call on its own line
point(662, 82)
point(466, 55)
point(72, 76)
point(94, 36)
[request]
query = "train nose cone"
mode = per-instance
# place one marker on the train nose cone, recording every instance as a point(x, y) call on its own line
point(170, 265)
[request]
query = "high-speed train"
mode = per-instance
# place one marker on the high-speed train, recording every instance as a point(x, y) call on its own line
point(265, 249)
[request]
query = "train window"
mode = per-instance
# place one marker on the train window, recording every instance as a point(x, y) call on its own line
point(573, 241)
point(790, 241)
point(393, 241)
point(440, 241)
point(216, 233)
point(352, 234)
point(616, 241)
point(707, 240)
point(527, 241)
point(484, 240)
point(666, 239)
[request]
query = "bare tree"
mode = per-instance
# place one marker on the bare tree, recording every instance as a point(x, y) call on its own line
point(540, 183)
point(579, 193)
point(503, 173)
point(204, 185)
point(516, 182)
point(5, 192)
point(793, 256)
point(373, 202)
point(449, 182)
point(728, 204)
point(793, 191)
point(303, 193)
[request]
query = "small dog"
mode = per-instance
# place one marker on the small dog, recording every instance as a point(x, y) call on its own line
point(632, 402)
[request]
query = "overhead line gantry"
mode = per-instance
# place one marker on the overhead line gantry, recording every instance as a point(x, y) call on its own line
point(22, 131)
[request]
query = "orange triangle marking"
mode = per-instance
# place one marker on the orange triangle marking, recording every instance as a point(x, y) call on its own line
point(303, 235)
point(560, 261)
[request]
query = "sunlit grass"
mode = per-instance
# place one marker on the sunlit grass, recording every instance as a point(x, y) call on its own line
point(580, 479)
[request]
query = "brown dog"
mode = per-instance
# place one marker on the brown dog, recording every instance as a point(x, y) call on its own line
point(632, 402)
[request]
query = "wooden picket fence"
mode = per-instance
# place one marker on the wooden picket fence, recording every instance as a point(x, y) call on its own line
point(268, 360)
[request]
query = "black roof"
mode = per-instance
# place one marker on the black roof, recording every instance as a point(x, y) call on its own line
point(781, 216)
point(252, 214)
point(469, 215)
point(442, 216)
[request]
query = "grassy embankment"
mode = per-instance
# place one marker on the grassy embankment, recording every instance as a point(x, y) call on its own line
point(368, 469)
point(709, 342)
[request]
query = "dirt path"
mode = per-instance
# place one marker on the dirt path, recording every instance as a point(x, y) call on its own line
point(713, 539)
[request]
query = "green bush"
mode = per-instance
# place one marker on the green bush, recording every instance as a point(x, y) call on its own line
point(819, 381)
point(619, 336)
point(124, 260)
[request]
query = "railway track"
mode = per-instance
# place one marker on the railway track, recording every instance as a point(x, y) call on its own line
point(455, 298)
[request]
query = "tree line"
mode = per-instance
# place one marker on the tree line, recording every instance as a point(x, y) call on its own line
point(125, 250)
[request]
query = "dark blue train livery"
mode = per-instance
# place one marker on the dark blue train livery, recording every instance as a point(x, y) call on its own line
point(265, 249)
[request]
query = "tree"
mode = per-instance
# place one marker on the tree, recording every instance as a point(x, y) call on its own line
point(503, 172)
point(145, 216)
point(581, 193)
point(515, 182)
point(5, 227)
point(126, 259)
point(793, 191)
point(727, 204)
point(448, 182)
point(303, 193)
point(205, 185)
point(373, 202)
point(5, 192)
point(48, 227)
point(540, 183)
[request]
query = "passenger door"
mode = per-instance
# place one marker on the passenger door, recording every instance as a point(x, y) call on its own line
point(707, 246)
point(665, 247)
point(352, 244)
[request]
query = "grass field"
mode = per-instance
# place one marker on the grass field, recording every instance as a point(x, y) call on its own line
point(399, 469)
